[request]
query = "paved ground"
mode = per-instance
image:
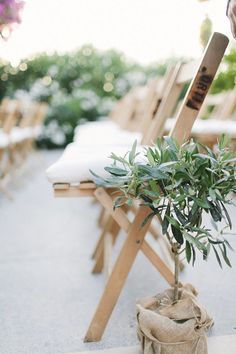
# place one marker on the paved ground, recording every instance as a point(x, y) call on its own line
point(47, 294)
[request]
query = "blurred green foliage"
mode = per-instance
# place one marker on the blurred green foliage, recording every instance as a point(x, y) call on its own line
point(226, 79)
point(82, 85)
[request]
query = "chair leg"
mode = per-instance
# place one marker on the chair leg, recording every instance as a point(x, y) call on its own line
point(116, 281)
point(108, 245)
point(102, 222)
point(111, 228)
point(99, 244)
point(99, 262)
point(101, 216)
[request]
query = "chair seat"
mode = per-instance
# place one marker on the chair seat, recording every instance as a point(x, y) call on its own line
point(209, 127)
point(18, 134)
point(104, 133)
point(100, 124)
point(75, 163)
point(88, 129)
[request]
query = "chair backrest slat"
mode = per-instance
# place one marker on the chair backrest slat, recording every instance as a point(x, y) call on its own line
point(186, 72)
point(226, 109)
point(153, 105)
point(169, 99)
point(199, 87)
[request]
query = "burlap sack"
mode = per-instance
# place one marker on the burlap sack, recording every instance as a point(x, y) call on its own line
point(167, 328)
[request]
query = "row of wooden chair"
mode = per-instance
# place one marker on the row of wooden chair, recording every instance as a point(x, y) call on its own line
point(70, 175)
point(217, 116)
point(126, 121)
point(20, 125)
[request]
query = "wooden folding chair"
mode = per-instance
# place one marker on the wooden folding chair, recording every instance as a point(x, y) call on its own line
point(33, 120)
point(9, 115)
point(148, 109)
point(135, 239)
point(19, 134)
point(18, 123)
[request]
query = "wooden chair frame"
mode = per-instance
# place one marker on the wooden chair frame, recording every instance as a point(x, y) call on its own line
point(135, 239)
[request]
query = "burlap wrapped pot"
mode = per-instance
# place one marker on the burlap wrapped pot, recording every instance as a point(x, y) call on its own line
point(165, 327)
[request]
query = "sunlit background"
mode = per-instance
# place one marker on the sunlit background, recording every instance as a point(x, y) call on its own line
point(145, 30)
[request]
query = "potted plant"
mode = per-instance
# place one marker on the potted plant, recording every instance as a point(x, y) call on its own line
point(179, 184)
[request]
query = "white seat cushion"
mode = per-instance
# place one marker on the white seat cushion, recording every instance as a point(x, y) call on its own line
point(18, 134)
point(104, 133)
point(75, 163)
point(90, 129)
point(98, 138)
point(104, 124)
